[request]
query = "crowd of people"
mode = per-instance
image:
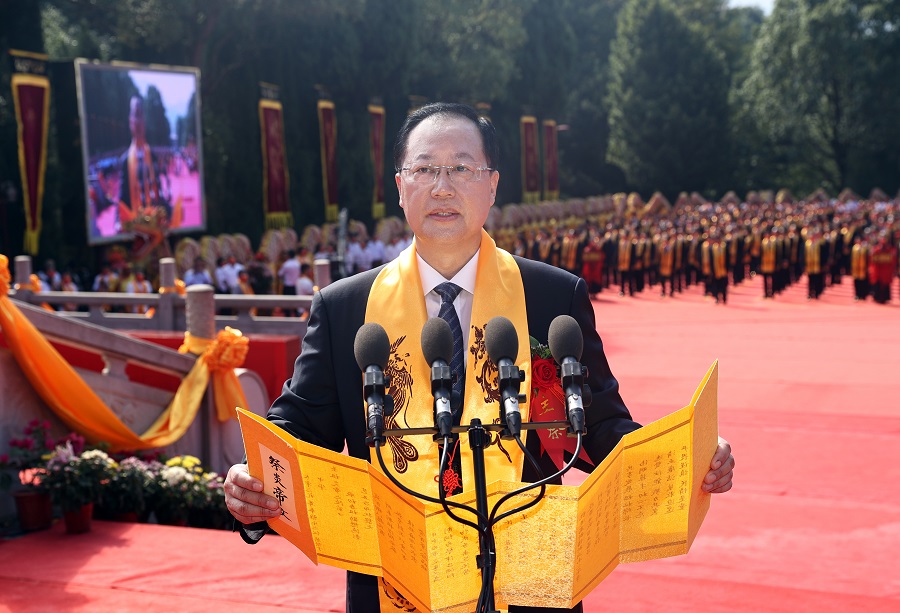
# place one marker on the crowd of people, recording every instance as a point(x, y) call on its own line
point(635, 247)
point(616, 243)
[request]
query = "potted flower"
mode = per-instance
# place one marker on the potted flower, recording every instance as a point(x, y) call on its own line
point(175, 490)
point(75, 483)
point(122, 495)
point(22, 469)
point(209, 510)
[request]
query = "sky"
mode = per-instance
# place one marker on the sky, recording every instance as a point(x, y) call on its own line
point(175, 89)
point(765, 5)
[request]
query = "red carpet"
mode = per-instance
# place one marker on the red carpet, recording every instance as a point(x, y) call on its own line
point(808, 396)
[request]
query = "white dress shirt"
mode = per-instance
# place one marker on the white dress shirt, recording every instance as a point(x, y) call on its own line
point(465, 278)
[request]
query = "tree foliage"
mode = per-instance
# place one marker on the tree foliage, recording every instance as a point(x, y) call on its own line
point(668, 101)
point(651, 94)
point(822, 91)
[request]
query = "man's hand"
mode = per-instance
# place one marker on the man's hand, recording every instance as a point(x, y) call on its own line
point(721, 470)
point(244, 497)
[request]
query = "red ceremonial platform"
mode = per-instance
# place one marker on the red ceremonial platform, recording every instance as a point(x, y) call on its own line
point(807, 397)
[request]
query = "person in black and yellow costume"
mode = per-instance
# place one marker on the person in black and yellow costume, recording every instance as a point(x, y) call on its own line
point(625, 262)
point(571, 251)
point(815, 248)
point(446, 157)
point(667, 253)
point(768, 263)
point(859, 268)
point(715, 256)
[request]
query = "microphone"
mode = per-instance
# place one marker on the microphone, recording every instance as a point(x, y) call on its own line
point(566, 344)
point(437, 347)
point(372, 348)
point(502, 343)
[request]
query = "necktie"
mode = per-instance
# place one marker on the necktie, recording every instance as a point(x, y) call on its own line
point(448, 293)
point(452, 479)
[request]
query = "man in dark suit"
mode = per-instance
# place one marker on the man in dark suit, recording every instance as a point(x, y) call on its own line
point(445, 158)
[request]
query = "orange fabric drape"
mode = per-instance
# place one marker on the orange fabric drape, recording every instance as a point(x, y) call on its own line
point(222, 355)
point(79, 407)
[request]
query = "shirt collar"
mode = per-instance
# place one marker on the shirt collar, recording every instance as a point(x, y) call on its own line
point(465, 278)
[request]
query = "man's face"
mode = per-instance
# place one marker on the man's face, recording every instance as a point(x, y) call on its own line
point(445, 214)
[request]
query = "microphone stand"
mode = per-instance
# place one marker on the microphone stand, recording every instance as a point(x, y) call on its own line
point(479, 439)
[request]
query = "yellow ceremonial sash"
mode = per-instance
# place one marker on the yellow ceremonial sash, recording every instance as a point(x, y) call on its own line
point(813, 263)
point(858, 262)
point(128, 212)
point(768, 256)
point(624, 255)
point(396, 302)
point(719, 268)
point(569, 252)
point(666, 260)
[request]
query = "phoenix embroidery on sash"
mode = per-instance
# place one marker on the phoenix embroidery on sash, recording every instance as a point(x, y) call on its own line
point(486, 376)
point(400, 388)
point(485, 370)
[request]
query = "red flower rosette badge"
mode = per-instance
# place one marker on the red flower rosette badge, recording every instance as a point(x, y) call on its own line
point(549, 404)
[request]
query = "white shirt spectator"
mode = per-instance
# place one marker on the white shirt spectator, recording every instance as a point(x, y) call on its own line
point(375, 252)
point(230, 274)
point(393, 249)
point(222, 280)
point(354, 258)
point(305, 286)
point(51, 280)
point(197, 277)
point(290, 272)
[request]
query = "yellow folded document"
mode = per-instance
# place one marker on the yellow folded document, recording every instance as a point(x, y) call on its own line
point(644, 501)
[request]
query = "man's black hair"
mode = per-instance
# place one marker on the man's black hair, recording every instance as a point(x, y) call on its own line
point(485, 128)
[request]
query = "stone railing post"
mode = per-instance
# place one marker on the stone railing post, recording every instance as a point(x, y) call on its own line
point(322, 273)
point(23, 277)
point(165, 314)
point(200, 310)
point(200, 314)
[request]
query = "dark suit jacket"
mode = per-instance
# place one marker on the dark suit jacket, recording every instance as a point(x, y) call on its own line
point(322, 403)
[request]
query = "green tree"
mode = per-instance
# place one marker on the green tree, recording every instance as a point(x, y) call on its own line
point(159, 131)
point(583, 167)
point(668, 102)
point(823, 88)
point(467, 49)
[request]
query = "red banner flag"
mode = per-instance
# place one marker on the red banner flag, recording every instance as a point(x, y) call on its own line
point(276, 180)
point(551, 161)
point(328, 141)
point(376, 151)
point(531, 174)
point(31, 96)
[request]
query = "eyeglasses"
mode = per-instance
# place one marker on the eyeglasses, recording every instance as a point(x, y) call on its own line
point(428, 173)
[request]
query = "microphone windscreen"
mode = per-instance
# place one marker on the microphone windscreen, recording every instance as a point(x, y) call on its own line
point(501, 339)
point(565, 339)
point(371, 346)
point(437, 341)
